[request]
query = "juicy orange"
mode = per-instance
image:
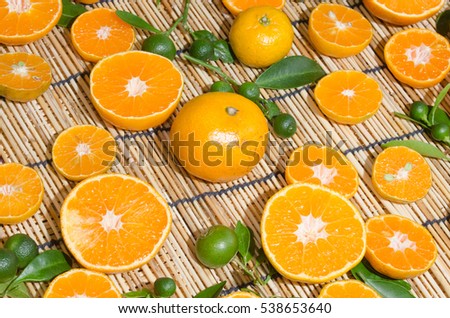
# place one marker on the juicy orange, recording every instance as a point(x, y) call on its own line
point(417, 57)
point(324, 166)
point(23, 76)
point(219, 137)
point(21, 193)
point(237, 6)
point(136, 90)
point(25, 21)
point(99, 33)
point(399, 247)
point(403, 12)
point(312, 234)
point(114, 223)
point(241, 294)
point(82, 283)
point(83, 151)
point(401, 174)
point(350, 288)
point(338, 31)
point(88, 1)
point(348, 97)
point(261, 36)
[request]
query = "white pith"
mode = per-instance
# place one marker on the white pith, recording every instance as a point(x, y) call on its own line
point(7, 190)
point(348, 93)
point(340, 25)
point(324, 174)
point(136, 87)
point(419, 55)
point(103, 33)
point(311, 229)
point(111, 221)
point(20, 69)
point(18, 6)
point(83, 149)
point(400, 242)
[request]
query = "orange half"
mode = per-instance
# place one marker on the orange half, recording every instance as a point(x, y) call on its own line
point(312, 234)
point(114, 223)
point(136, 90)
point(241, 294)
point(25, 21)
point(349, 288)
point(237, 6)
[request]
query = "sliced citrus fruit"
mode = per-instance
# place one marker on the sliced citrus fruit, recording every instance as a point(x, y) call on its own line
point(419, 58)
point(136, 90)
point(312, 234)
point(403, 12)
point(113, 223)
point(338, 31)
point(82, 283)
point(399, 247)
point(23, 76)
point(241, 294)
point(25, 21)
point(21, 193)
point(83, 151)
point(99, 33)
point(401, 174)
point(324, 166)
point(350, 288)
point(348, 97)
point(237, 6)
point(88, 1)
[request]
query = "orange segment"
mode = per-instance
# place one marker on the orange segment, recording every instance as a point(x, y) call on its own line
point(23, 76)
point(419, 58)
point(338, 31)
point(99, 33)
point(241, 294)
point(81, 283)
point(25, 21)
point(136, 90)
point(114, 223)
point(237, 6)
point(399, 247)
point(350, 288)
point(312, 234)
point(401, 174)
point(403, 12)
point(348, 97)
point(21, 193)
point(83, 151)
point(322, 166)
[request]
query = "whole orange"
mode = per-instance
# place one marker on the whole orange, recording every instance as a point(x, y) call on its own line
point(261, 36)
point(219, 136)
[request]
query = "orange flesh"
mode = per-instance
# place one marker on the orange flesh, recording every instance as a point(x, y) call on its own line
point(348, 289)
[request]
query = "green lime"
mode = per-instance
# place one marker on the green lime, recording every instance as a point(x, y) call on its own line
point(284, 125)
point(160, 44)
point(440, 132)
point(250, 90)
point(164, 287)
point(217, 246)
point(419, 111)
point(24, 247)
point(8, 265)
point(202, 49)
point(222, 86)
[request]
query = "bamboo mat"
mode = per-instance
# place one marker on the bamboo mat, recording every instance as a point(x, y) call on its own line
point(28, 131)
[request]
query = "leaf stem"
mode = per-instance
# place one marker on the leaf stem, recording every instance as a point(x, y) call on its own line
point(437, 102)
point(403, 116)
point(213, 68)
point(185, 15)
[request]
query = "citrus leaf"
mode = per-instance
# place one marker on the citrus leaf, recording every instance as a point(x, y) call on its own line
point(443, 24)
point(386, 287)
point(212, 291)
point(425, 149)
point(136, 21)
point(291, 72)
point(70, 12)
point(204, 35)
point(143, 293)
point(20, 291)
point(437, 102)
point(222, 51)
point(244, 241)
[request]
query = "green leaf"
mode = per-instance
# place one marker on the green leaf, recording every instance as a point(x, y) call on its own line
point(4, 286)
point(20, 291)
point(291, 72)
point(204, 35)
point(386, 287)
point(440, 116)
point(437, 102)
point(222, 51)
point(43, 267)
point(136, 21)
point(212, 291)
point(244, 240)
point(70, 12)
point(425, 149)
point(443, 24)
point(143, 293)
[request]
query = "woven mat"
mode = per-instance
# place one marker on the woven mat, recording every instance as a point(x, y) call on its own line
point(28, 131)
